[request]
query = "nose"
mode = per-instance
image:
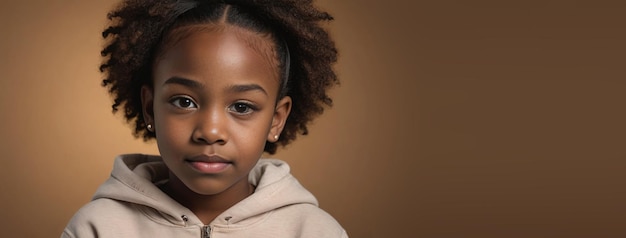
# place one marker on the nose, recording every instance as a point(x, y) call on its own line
point(211, 127)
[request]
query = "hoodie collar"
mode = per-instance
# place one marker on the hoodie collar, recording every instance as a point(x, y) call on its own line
point(135, 177)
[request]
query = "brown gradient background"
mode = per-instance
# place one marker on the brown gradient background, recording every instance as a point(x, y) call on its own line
point(454, 119)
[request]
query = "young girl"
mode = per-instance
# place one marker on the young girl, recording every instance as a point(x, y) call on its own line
point(217, 83)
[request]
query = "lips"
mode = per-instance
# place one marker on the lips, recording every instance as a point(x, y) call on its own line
point(209, 164)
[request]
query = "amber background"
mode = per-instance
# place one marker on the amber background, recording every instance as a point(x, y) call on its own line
point(454, 119)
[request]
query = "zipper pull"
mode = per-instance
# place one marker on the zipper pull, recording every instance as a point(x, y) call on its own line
point(206, 232)
point(185, 219)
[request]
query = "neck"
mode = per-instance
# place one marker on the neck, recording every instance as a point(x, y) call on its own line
point(207, 207)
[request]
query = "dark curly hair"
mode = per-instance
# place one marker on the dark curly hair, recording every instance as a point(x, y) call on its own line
point(138, 29)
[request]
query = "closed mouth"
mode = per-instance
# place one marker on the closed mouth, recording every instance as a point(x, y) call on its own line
point(209, 164)
point(208, 159)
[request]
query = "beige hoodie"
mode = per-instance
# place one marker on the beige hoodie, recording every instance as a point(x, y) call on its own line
point(129, 204)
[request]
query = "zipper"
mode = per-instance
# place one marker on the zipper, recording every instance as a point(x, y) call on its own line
point(206, 231)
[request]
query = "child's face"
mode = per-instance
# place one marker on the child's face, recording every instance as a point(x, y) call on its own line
point(213, 107)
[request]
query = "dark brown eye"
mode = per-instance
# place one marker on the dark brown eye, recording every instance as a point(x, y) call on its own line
point(183, 102)
point(241, 108)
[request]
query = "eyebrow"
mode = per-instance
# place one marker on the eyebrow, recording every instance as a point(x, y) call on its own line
point(239, 88)
point(246, 87)
point(183, 81)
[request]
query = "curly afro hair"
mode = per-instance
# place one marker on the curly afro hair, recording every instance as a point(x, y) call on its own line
point(138, 29)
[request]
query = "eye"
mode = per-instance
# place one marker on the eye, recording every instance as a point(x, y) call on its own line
point(183, 102)
point(242, 108)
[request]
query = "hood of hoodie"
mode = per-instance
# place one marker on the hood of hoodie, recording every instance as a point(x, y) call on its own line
point(134, 178)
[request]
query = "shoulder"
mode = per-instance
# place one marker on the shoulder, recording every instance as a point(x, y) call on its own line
point(95, 215)
point(106, 217)
point(309, 221)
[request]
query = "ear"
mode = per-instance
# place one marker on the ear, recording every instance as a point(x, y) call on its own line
point(283, 107)
point(147, 104)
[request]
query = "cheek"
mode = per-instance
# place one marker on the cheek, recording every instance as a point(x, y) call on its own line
point(253, 132)
point(170, 133)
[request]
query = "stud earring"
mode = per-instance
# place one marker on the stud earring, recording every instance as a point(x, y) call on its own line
point(275, 137)
point(150, 128)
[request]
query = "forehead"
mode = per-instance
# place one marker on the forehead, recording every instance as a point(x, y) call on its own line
point(216, 51)
point(262, 43)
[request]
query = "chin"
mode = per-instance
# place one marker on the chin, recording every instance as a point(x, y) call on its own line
point(206, 189)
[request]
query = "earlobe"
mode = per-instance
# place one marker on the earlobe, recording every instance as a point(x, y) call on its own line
point(283, 108)
point(147, 105)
